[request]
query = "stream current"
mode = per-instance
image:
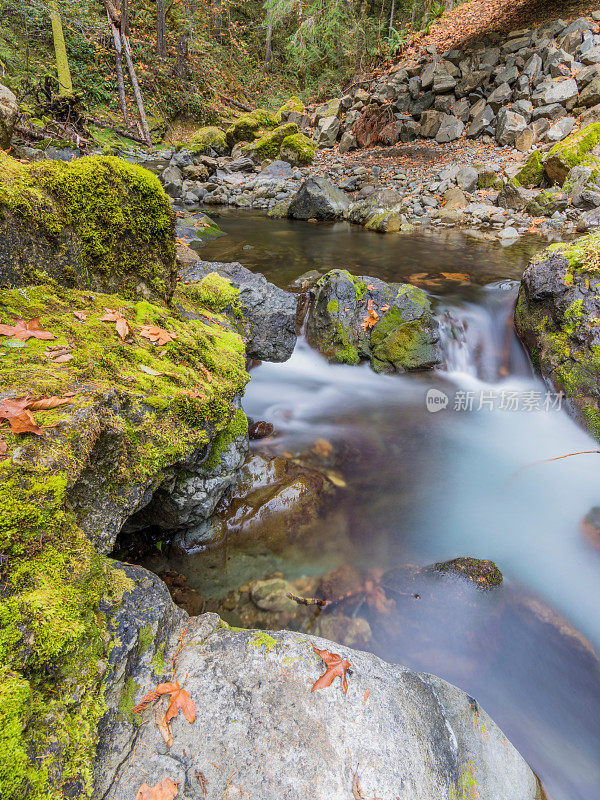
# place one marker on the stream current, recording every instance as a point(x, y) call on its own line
point(425, 486)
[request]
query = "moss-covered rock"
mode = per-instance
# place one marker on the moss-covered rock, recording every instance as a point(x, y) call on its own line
point(532, 172)
point(384, 212)
point(293, 104)
point(547, 202)
point(268, 145)
point(97, 223)
point(484, 574)
point(209, 138)
point(297, 149)
point(579, 149)
point(354, 318)
point(136, 411)
point(247, 127)
point(557, 318)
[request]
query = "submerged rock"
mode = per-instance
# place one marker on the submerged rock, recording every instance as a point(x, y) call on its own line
point(556, 318)
point(268, 313)
point(485, 574)
point(361, 317)
point(272, 498)
point(433, 738)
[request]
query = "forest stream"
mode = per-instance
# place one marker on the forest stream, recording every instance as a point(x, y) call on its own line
point(415, 487)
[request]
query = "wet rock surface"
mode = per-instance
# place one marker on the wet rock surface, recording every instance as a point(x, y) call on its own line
point(354, 318)
point(555, 317)
point(269, 313)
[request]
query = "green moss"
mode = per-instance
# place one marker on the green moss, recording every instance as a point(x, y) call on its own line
point(101, 199)
point(236, 428)
point(359, 285)
point(53, 637)
point(546, 203)
point(574, 151)
point(333, 306)
point(214, 292)
point(127, 701)
point(297, 149)
point(584, 253)
point(210, 137)
point(158, 660)
point(293, 104)
point(532, 173)
point(268, 145)
point(260, 640)
point(467, 787)
point(246, 128)
point(485, 574)
point(145, 638)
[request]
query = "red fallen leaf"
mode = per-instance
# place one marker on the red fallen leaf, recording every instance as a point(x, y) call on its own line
point(121, 324)
point(19, 418)
point(336, 666)
point(370, 287)
point(81, 315)
point(206, 373)
point(165, 790)
point(157, 335)
point(385, 308)
point(46, 403)
point(26, 330)
point(372, 317)
point(180, 699)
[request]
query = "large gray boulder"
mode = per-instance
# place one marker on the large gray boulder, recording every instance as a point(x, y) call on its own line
point(509, 125)
point(384, 211)
point(327, 131)
point(318, 199)
point(260, 732)
point(9, 111)
point(268, 313)
point(356, 317)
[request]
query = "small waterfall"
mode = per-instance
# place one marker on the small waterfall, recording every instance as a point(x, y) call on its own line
point(479, 339)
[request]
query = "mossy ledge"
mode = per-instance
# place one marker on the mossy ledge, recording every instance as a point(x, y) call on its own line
point(152, 406)
point(98, 223)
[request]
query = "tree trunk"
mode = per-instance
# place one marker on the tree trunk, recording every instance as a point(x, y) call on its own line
point(181, 68)
point(392, 11)
point(136, 91)
point(268, 51)
point(215, 15)
point(62, 61)
point(413, 13)
point(161, 44)
point(119, 66)
point(125, 17)
point(426, 14)
point(449, 5)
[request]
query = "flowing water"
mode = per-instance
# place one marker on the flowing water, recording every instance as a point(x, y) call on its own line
point(424, 486)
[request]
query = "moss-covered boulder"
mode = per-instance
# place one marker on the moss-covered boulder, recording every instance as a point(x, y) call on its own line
point(209, 138)
point(268, 145)
point(547, 202)
point(354, 318)
point(557, 317)
point(137, 413)
point(579, 149)
point(297, 149)
point(293, 104)
point(384, 212)
point(97, 223)
point(248, 127)
point(484, 574)
point(532, 172)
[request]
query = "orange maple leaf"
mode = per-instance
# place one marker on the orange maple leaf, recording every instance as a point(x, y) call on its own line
point(335, 666)
point(165, 790)
point(25, 330)
point(157, 335)
point(116, 316)
point(180, 699)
